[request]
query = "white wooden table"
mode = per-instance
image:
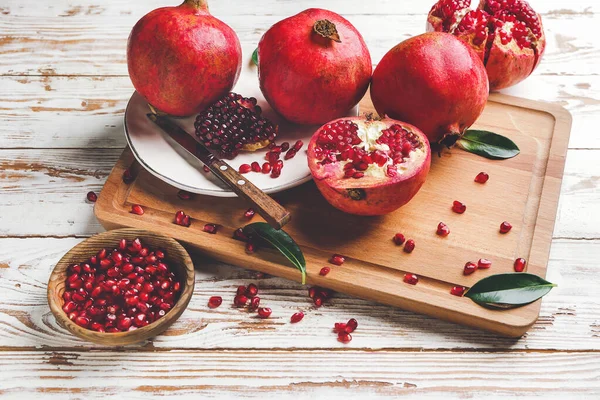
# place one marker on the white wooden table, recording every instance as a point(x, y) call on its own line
point(63, 90)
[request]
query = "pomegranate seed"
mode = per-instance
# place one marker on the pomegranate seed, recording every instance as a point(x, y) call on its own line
point(240, 300)
point(457, 291)
point(344, 337)
point(251, 290)
point(250, 248)
point(183, 195)
point(470, 267)
point(442, 229)
point(458, 207)
point(124, 323)
point(255, 166)
point(264, 312)
point(298, 145)
point(520, 264)
point(324, 271)
point(82, 321)
point(127, 176)
point(123, 244)
point(254, 303)
point(297, 317)
point(484, 263)
point(290, 154)
point(411, 279)
point(136, 244)
point(337, 259)
point(69, 307)
point(409, 246)
point(311, 292)
point(137, 209)
point(339, 327)
point(318, 301)
point(182, 219)
point(101, 254)
point(210, 228)
point(482, 177)
point(285, 146)
point(239, 234)
point(399, 239)
point(266, 168)
point(92, 197)
point(276, 171)
point(505, 227)
point(241, 290)
point(351, 325)
point(206, 169)
point(159, 254)
point(215, 301)
point(245, 168)
point(249, 213)
point(272, 158)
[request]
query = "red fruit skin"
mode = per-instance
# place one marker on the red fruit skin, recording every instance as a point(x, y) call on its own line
point(433, 81)
point(310, 79)
point(182, 59)
point(379, 196)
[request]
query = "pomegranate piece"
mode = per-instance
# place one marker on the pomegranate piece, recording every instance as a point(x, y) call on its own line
point(215, 301)
point(442, 229)
point(297, 317)
point(92, 197)
point(245, 168)
point(249, 213)
point(458, 207)
point(507, 35)
point(344, 337)
point(360, 167)
point(210, 228)
point(505, 227)
point(351, 325)
point(409, 246)
point(520, 264)
point(469, 268)
point(264, 312)
point(183, 195)
point(324, 271)
point(411, 279)
point(458, 291)
point(433, 81)
point(205, 52)
point(251, 290)
point(399, 239)
point(484, 263)
point(298, 90)
point(337, 259)
point(482, 177)
point(137, 209)
point(234, 124)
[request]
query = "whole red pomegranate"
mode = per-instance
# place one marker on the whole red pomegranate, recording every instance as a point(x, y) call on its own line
point(433, 81)
point(367, 166)
point(313, 67)
point(507, 35)
point(182, 59)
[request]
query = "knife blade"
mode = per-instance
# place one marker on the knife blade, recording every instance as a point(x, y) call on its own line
point(269, 209)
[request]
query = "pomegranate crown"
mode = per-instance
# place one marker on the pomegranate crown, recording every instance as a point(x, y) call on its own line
point(327, 29)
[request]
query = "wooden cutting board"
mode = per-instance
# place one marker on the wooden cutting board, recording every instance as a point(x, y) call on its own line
point(523, 190)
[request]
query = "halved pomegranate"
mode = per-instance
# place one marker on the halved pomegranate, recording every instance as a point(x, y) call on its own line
point(368, 166)
point(506, 34)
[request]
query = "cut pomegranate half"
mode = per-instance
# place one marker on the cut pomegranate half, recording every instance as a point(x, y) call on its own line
point(366, 166)
point(234, 124)
point(507, 35)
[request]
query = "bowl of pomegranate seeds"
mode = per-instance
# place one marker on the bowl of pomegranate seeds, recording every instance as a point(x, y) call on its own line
point(121, 287)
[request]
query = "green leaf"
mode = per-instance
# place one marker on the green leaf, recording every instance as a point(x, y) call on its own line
point(255, 57)
point(488, 144)
point(506, 291)
point(281, 241)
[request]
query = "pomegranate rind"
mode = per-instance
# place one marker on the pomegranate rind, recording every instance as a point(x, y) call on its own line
point(369, 195)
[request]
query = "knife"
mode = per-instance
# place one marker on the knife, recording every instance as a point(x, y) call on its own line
point(269, 209)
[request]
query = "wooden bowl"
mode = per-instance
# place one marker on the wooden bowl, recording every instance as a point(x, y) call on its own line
point(175, 255)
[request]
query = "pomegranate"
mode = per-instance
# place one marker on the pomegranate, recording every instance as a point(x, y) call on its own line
point(366, 166)
point(313, 67)
point(507, 35)
point(182, 59)
point(433, 81)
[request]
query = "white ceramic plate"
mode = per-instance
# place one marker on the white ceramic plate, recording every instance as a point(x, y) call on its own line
point(164, 158)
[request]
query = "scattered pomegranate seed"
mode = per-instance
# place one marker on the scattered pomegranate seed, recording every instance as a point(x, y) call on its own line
point(298, 145)
point(92, 197)
point(239, 234)
point(245, 168)
point(505, 227)
point(250, 248)
point(266, 168)
point(206, 169)
point(442, 229)
point(251, 290)
point(482, 177)
point(264, 312)
point(457, 291)
point(290, 154)
point(351, 325)
point(411, 279)
point(285, 146)
point(182, 219)
point(470, 267)
point(210, 228)
point(458, 207)
point(484, 263)
point(276, 171)
point(344, 337)
point(240, 300)
point(137, 209)
point(318, 301)
point(127, 176)
point(399, 239)
point(339, 327)
point(409, 246)
point(215, 301)
point(311, 292)
point(254, 303)
point(255, 167)
point(249, 213)
point(324, 271)
point(241, 290)
point(183, 195)
point(337, 259)
point(520, 264)
point(297, 317)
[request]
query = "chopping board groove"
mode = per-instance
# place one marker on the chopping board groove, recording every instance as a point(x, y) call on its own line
point(523, 190)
